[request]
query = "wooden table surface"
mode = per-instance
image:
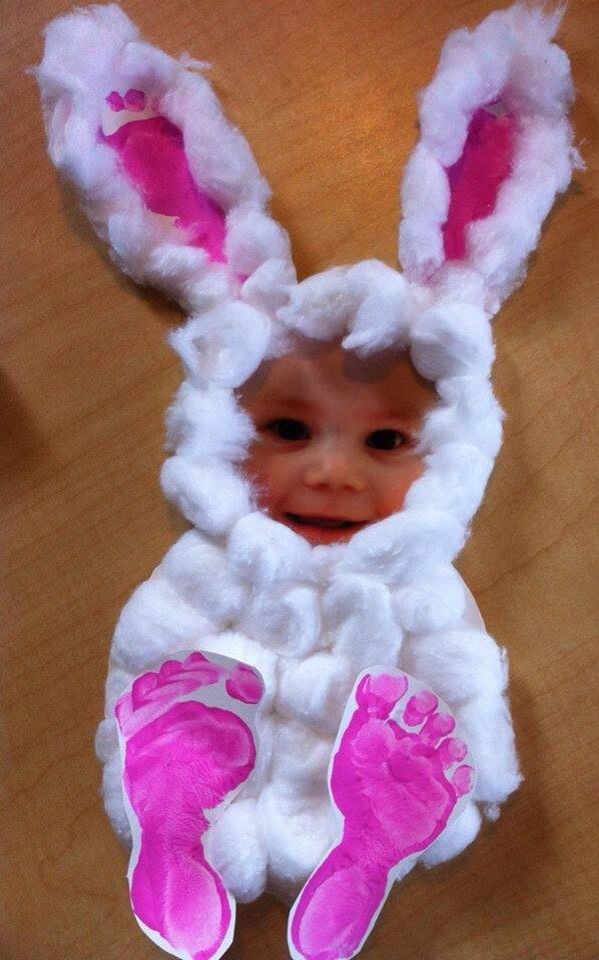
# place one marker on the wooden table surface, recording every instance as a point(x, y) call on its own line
point(325, 92)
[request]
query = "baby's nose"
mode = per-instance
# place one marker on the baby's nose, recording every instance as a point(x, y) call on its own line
point(335, 469)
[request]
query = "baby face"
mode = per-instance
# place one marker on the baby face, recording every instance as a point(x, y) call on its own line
point(336, 438)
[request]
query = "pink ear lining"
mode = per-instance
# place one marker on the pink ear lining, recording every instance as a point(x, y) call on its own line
point(152, 155)
point(475, 178)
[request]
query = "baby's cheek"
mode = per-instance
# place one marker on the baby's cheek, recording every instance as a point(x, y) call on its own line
point(394, 485)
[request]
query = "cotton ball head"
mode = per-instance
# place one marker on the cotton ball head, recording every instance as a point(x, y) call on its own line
point(451, 339)
point(224, 346)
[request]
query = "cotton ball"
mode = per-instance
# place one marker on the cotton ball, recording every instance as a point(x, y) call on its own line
point(399, 545)
point(223, 346)
point(210, 495)
point(252, 238)
point(268, 286)
point(320, 306)
point(106, 740)
point(430, 602)
point(468, 413)
point(300, 757)
point(454, 838)
point(360, 621)
point(459, 664)
point(203, 424)
point(315, 690)
point(298, 832)
point(154, 622)
point(452, 338)
point(186, 274)
point(198, 571)
point(424, 203)
point(454, 480)
point(236, 646)
point(112, 792)
point(487, 728)
point(235, 848)
point(262, 551)
point(382, 319)
point(286, 619)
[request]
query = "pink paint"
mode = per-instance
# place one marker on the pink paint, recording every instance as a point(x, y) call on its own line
point(475, 178)
point(152, 155)
point(395, 794)
point(181, 759)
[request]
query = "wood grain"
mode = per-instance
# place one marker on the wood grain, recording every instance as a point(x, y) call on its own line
point(326, 94)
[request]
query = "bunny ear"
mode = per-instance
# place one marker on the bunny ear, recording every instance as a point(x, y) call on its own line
point(166, 180)
point(495, 149)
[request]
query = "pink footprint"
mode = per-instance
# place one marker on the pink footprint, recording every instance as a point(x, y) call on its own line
point(152, 155)
point(187, 745)
point(396, 786)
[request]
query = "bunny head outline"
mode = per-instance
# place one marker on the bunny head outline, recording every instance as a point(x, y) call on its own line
point(174, 190)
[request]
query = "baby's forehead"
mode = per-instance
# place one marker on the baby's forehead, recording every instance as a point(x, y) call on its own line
point(316, 373)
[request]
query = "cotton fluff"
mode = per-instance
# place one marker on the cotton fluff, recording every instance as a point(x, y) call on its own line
point(240, 584)
point(197, 569)
point(288, 619)
point(207, 423)
point(360, 622)
point(210, 495)
point(223, 346)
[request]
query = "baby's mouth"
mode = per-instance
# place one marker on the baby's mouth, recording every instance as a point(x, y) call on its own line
point(322, 529)
point(329, 523)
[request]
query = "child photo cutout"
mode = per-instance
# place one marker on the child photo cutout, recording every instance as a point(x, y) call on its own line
point(302, 698)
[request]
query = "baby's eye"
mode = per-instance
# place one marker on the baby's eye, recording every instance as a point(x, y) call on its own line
point(386, 439)
point(288, 429)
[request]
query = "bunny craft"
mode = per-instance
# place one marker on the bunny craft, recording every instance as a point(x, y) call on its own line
point(330, 628)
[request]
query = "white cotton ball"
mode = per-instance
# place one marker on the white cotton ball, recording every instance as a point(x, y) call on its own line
point(261, 551)
point(320, 306)
point(235, 848)
point(112, 792)
point(424, 204)
point(315, 690)
point(80, 46)
point(155, 621)
point(459, 664)
point(106, 741)
point(431, 601)
point(360, 621)
point(382, 319)
point(468, 413)
point(450, 339)
point(286, 619)
point(236, 646)
point(223, 346)
point(210, 495)
point(198, 571)
point(487, 728)
point(399, 545)
point(454, 480)
point(252, 238)
point(454, 838)
point(186, 274)
point(202, 424)
point(267, 287)
point(298, 832)
point(300, 757)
